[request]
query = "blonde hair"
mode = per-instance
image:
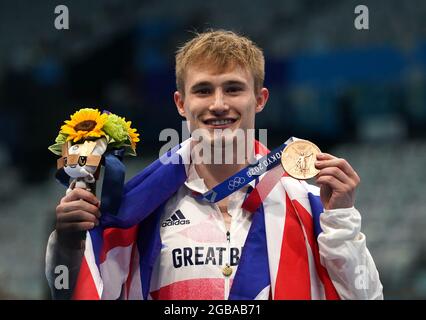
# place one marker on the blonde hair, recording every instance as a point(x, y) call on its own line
point(221, 50)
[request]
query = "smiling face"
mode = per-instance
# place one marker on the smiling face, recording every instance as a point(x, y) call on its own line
point(219, 100)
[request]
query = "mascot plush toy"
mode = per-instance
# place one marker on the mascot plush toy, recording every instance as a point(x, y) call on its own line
point(81, 162)
point(87, 141)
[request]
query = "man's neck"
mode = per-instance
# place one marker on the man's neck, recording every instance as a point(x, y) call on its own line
point(218, 171)
point(213, 174)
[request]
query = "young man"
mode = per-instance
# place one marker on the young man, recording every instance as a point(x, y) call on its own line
point(187, 248)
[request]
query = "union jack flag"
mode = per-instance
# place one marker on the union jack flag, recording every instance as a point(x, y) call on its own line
point(280, 259)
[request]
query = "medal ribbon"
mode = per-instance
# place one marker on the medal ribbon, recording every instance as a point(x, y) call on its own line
point(244, 176)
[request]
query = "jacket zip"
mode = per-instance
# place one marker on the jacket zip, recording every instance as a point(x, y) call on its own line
point(228, 262)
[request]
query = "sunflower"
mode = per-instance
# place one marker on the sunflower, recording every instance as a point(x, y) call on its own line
point(134, 137)
point(85, 123)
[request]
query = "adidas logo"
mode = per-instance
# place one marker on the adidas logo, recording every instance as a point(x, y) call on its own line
point(176, 219)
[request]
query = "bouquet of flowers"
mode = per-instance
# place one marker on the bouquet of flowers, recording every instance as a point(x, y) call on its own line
point(91, 138)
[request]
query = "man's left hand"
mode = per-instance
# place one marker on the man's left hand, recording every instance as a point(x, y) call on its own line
point(338, 182)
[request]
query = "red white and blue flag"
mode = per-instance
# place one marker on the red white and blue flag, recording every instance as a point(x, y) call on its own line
point(280, 259)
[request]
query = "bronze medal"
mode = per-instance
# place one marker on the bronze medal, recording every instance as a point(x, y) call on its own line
point(298, 159)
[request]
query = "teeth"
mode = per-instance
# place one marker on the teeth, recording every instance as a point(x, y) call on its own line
point(220, 122)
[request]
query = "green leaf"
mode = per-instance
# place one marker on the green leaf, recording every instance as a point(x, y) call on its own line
point(56, 148)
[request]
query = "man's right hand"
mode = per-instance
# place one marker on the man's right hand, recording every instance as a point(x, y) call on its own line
point(76, 213)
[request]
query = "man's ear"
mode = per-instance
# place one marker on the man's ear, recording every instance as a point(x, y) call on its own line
point(178, 97)
point(261, 99)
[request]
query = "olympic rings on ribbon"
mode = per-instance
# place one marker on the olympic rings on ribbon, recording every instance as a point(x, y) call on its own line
point(235, 183)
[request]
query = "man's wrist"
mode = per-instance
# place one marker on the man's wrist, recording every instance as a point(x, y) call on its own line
point(349, 209)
